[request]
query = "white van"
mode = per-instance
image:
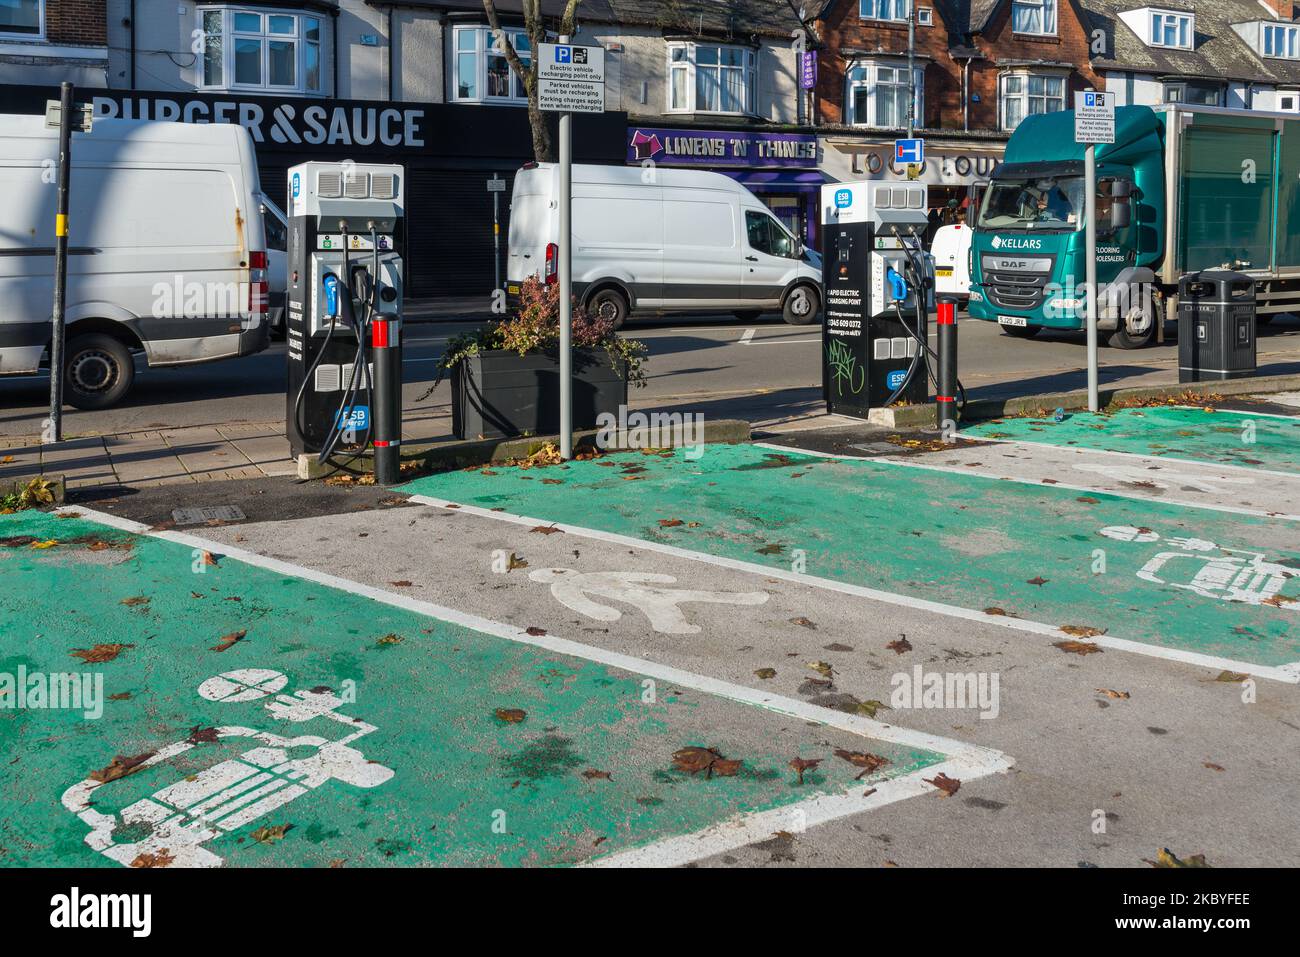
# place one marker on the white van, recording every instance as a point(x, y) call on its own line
point(167, 250)
point(951, 251)
point(662, 240)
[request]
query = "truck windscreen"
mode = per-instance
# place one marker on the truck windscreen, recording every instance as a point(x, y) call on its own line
point(1054, 202)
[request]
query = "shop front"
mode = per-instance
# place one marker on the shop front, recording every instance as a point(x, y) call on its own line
point(955, 170)
point(449, 152)
point(779, 168)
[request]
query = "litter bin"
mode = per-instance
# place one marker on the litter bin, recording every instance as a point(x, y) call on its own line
point(1216, 326)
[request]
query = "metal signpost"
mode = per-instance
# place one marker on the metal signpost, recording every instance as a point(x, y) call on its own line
point(496, 186)
point(1094, 122)
point(570, 79)
point(66, 117)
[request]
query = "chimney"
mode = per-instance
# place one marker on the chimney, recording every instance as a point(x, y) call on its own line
point(1285, 9)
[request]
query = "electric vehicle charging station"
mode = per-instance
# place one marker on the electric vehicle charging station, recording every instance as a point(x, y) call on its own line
point(343, 309)
point(879, 288)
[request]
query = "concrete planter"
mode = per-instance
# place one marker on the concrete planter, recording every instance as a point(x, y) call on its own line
point(504, 394)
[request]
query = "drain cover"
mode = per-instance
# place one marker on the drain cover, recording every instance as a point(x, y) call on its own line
point(196, 515)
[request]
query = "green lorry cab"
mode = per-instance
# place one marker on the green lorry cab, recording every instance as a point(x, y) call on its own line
point(1180, 190)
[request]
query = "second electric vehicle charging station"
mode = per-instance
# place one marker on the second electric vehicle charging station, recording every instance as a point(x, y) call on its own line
point(879, 287)
point(343, 312)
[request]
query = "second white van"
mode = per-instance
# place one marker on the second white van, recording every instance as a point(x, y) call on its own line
point(660, 241)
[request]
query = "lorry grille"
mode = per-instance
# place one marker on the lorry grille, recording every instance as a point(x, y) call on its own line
point(1016, 290)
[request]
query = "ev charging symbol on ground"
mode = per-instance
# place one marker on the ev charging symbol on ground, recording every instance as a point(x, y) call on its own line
point(180, 818)
point(1211, 571)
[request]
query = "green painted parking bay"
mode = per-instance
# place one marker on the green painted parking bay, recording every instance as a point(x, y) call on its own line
point(1179, 581)
point(256, 718)
point(1220, 436)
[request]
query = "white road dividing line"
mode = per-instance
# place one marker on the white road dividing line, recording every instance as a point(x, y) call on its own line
point(1288, 673)
point(747, 337)
point(992, 475)
point(1248, 469)
point(965, 761)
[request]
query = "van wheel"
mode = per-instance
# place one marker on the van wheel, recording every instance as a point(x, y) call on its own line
point(801, 306)
point(98, 372)
point(1021, 332)
point(609, 304)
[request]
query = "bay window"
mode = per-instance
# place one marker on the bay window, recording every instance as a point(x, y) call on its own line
point(1025, 94)
point(480, 71)
point(22, 18)
point(708, 78)
point(1034, 16)
point(259, 49)
point(883, 9)
point(878, 94)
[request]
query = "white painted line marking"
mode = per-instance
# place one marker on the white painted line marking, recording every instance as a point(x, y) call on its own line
point(1221, 411)
point(1250, 469)
point(992, 475)
point(1289, 673)
point(967, 762)
point(747, 337)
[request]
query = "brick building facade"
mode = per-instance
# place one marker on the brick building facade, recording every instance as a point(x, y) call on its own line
point(76, 22)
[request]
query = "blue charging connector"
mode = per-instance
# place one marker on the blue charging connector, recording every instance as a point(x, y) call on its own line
point(331, 282)
point(898, 285)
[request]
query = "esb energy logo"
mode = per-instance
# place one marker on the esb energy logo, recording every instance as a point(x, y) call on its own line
point(1015, 242)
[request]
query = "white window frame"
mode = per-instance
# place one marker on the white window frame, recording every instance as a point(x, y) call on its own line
point(40, 29)
point(1187, 20)
point(871, 83)
point(888, 11)
point(1291, 96)
point(485, 45)
point(229, 35)
point(1290, 35)
point(1047, 11)
point(1025, 77)
point(687, 67)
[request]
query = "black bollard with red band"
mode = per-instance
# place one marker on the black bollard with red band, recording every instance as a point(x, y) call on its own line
point(945, 399)
point(386, 353)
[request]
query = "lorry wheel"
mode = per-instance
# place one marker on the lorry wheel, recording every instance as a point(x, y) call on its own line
point(801, 306)
point(1121, 338)
point(1021, 332)
point(98, 372)
point(609, 304)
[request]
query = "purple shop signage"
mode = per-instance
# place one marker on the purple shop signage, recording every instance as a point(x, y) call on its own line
point(729, 148)
point(808, 70)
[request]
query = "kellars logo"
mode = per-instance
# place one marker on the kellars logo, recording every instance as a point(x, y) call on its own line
point(1015, 243)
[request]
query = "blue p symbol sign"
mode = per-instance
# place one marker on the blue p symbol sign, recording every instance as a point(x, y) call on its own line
point(563, 54)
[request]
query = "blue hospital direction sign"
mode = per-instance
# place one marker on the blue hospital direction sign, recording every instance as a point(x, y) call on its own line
point(909, 151)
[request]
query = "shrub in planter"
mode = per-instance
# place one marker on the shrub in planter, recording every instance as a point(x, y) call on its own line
point(505, 376)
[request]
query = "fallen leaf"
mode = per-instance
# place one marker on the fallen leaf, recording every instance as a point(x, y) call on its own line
point(1038, 580)
point(822, 668)
point(1088, 500)
point(1232, 677)
point(765, 673)
point(162, 858)
point(862, 759)
point(551, 481)
point(511, 715)
point(772, 549)
point(1077, 647)
point(210, 559)
point(591, 774)
point(694, 759)
point(200, 735)
point(670, 522)
point(804, 623)
point(120, 767)
point(390, 639)
point(802, 765)
point(1167, 858)
point(869, 708)
point(1082, 631)
point(100, 653)
point(900, 645)
point(1212, 766)
point(120, 696)
point(868, 792)
point(726, 768)
point(48, 543)
point(269, 835)
point(547, 530)
point(403, 583)
point(994, 611)
point(515, 562)
point(535, 631)
point(227, 642)
point(136, 600)
point(948, 786)
point(1120, 695)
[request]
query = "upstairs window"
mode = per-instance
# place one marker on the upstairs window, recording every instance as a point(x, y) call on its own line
point(481, 72)
point(878, 95)
point(884, 9)
point(1281, 41)
point(1025, 94)
point(704, 78)
point(1193, 93)
point(265, 50)
point(1036, 17)
point(22, 18)
point(1171, 30)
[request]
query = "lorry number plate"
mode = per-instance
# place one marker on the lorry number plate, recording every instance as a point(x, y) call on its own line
point(1013, 320)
